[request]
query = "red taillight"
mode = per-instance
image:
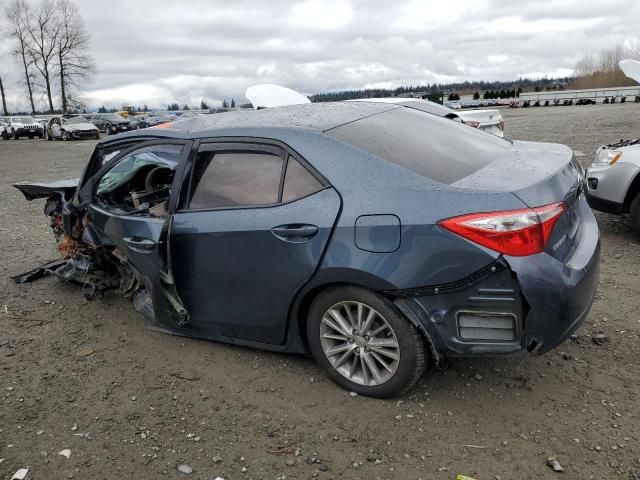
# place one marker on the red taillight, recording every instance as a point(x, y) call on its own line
point(512, 232)
point(471, 123)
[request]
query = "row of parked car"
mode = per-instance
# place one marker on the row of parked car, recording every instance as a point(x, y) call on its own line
point(74, 127)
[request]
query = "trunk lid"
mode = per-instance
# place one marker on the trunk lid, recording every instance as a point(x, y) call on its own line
point(538, 174)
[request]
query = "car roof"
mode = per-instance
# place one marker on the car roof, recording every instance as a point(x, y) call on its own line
point(318, 116)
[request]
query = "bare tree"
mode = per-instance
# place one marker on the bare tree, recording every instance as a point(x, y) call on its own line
point(18, 14)
point(604, 70)
point(73, 60)
point(43, 29)
point(4, 98)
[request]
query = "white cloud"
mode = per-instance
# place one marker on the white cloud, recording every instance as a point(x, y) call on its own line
point(321, 14)
point(160, 51)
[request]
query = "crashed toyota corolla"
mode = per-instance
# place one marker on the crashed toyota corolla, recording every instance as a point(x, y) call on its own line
point(377, 237)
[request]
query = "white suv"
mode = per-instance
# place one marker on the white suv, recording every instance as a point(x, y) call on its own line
point(17, 127)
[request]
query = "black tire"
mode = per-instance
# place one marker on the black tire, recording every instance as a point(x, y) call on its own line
point(64, 135)
point(49, 137)
point(413, 357)
point(634, 213)
point(15, 135)
point(30, 137)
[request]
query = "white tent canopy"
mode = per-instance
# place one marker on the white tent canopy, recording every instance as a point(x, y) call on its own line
point(266, 95)
point(631, 68)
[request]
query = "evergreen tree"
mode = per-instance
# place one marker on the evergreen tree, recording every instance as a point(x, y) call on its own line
point(102, 109)
point(476, 95)
point(233, 103)
point(203, 105)
point(186, 107)
point(225, 104)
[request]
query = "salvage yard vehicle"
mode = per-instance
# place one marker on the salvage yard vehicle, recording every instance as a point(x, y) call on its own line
point(110, 123)
point(17, 127)
point(340, 229)
point(71, 128)
point(489, 121)
point(3, 124)
point(613, 180)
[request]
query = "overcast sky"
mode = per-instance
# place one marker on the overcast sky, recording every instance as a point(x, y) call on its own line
point(159, 51)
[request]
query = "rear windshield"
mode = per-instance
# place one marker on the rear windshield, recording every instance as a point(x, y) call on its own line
point(437, 148)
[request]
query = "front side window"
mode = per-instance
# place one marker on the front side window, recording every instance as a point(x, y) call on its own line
point(142, 177)
point(232, 179)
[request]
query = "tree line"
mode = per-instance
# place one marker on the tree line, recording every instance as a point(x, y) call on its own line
point(602, 70)
point(50, 43)
point(437, 90)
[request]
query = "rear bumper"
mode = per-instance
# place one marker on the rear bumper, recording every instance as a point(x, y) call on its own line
point(547, 299)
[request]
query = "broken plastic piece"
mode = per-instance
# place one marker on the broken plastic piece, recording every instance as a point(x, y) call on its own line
point(66, 453)
point(38, 272)
point(20, 474)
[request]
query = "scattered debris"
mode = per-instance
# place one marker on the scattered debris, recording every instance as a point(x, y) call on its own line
point(472, 446)
point(217, 459)
point(66, 453)
point(186, 469)
point(353, 394)
point(74, 427)
point(554, 464)
point(599, 339)
point(463, 477)
point(477, 376)
point(85, 352)
point(20, 474)
point(184, 376)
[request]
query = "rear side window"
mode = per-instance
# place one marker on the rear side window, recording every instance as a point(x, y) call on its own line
point(298, 182)
point(437, 148)
point(232, 179)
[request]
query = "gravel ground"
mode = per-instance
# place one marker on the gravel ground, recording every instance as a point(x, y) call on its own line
point(130, 403)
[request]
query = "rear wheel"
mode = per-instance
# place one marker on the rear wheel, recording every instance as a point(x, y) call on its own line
point(15, 135)
point(363, 343)
point(65, 135)
point(634, 212)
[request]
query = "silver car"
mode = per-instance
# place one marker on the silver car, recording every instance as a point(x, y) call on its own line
point(613, 180)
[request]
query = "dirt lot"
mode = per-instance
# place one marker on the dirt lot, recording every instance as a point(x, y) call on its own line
point(88, 377)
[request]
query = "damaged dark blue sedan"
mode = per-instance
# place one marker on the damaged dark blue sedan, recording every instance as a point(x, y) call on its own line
point(377, 237)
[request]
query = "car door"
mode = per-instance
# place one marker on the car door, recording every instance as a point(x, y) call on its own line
point(139, 234)
point(249, 233)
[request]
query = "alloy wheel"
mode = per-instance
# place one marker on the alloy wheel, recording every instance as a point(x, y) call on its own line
point(359, 343)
